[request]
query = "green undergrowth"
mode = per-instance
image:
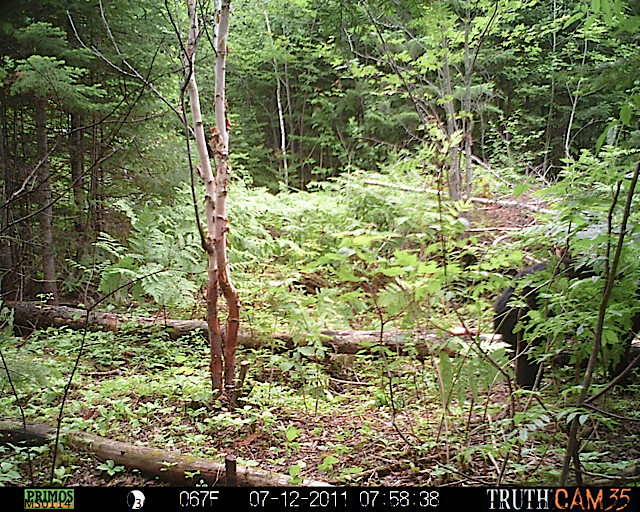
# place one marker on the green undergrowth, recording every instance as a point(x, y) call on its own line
point(142, 387)
point(334, 418)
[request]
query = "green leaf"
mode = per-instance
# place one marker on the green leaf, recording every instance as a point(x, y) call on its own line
point(295, 470)
point(405, 259)
point(362, 240)
point(345, 252)
point(349, 471)
point(573, 19)
point(307, 351)
point(292, 433)
point(393, 271)
point(519, 189)
point(328, 463)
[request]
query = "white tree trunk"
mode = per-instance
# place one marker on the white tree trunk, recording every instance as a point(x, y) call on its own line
point(220, 141)
point(215, 200)
point(283, 135)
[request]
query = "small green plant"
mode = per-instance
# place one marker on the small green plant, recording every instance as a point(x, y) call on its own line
point(111, 468)
point(294, 472)
point(62, 473)
point(9, 473)
point(291, 434)
point(189, 475)
point(328, 463)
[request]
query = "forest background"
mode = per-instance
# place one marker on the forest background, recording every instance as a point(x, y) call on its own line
point(343, 117)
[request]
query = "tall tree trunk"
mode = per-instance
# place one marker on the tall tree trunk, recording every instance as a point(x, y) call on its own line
point(7, 274)
point(283, 136)
point(455, 178)
point(46, 214)
point(213, 322)
point(552, 98)
point(575, 98)
point(466, 106)
point(14, 284)
point(96, 199)
point(301, 145)
point(216, 190)
point(223, 170)
point(76, 159)
point(287, 87)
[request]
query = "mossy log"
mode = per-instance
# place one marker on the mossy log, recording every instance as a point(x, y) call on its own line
point(169, 466)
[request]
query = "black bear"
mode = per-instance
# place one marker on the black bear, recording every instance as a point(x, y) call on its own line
point(506, 316)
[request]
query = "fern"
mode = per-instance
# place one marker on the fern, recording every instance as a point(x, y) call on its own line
point(162, 258)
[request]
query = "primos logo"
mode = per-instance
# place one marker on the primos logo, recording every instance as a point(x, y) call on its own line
point(48, 498)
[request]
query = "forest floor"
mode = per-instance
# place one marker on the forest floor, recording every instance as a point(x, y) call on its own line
point(338, 421)
point(353, 440)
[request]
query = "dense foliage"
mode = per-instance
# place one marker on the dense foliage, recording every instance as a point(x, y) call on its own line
point(315, 90)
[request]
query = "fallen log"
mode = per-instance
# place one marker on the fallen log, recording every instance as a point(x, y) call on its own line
point(169, 466)
point(33, 315)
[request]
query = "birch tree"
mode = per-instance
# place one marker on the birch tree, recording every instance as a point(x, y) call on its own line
point(214, 242)
point(283, 137)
